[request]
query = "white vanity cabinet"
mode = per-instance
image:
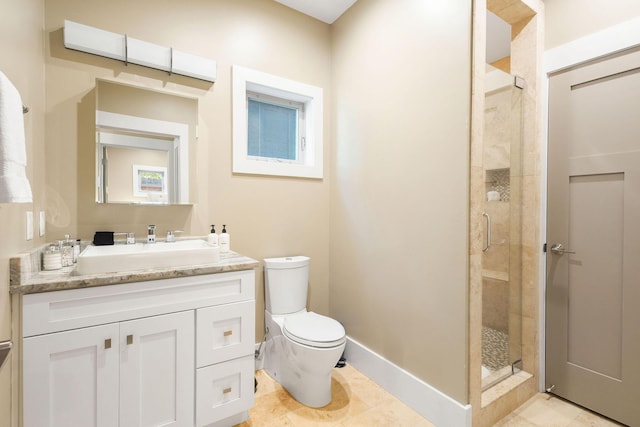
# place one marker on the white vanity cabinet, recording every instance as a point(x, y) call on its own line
point(170, 352)
point(138, 372)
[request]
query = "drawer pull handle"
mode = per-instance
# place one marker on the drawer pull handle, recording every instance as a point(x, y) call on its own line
point(107, 343)
point(228, 333)
point(227, 390)
point(129, 339)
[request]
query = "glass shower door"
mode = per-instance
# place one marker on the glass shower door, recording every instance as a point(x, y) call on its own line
point(502, 249)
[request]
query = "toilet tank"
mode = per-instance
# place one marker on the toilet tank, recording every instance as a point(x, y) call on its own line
point(286, 282)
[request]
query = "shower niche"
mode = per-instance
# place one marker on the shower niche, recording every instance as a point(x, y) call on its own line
point(502, 213)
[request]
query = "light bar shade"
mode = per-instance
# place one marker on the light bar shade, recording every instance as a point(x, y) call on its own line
point(193, 66)
point(148, 54)
point(128, 49)
point(93, 40)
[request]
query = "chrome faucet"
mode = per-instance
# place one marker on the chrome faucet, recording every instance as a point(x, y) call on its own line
point(151, 234)
point(171, 235)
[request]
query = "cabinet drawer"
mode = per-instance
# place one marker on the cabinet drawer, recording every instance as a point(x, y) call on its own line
point(77, 308)
point(225, 332)
point(224, 390)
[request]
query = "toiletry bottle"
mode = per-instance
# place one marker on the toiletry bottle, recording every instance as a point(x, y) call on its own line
point(66, 251)
point(225, 240)
point(212, 237)
point(76, 250)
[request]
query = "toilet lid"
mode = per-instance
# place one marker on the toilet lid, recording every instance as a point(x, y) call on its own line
point(314, 330)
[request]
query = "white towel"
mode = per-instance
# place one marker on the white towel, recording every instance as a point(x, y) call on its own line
point(14, 185)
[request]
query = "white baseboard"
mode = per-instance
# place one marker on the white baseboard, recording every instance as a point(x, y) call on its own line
point(432, 404)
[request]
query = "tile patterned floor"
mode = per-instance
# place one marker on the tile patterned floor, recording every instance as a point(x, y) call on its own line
point(358, 401)
point(495, 349)
point(544, 410)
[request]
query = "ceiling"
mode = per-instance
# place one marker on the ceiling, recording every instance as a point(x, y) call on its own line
point(324, 10)
point(498, 31)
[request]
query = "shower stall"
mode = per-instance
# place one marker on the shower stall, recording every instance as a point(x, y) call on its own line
point(502, 220)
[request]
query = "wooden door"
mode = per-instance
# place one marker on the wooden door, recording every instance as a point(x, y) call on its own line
point(593, 279)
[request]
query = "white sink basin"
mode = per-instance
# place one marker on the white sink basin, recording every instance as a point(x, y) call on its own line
point(144, 256)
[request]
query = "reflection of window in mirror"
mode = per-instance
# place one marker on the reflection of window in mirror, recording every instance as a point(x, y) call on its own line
point(498, 43)
point(150, 183)
point(137, 126)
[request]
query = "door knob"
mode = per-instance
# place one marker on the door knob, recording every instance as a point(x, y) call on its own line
point(558, 249)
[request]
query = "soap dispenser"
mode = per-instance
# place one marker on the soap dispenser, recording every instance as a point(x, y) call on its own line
point(212, 237)
point(225, 240)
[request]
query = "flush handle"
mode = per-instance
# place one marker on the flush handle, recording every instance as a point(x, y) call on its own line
point(107, 343)
point(129, 339)
point(227, 390)
point(228, 333)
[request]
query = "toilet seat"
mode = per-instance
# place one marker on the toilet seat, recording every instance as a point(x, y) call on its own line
point(314, 330)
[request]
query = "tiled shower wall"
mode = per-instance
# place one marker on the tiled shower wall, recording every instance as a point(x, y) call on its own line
point(526, 51)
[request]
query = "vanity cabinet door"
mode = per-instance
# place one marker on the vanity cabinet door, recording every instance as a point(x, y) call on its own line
point(71, 378)
point(157, 371)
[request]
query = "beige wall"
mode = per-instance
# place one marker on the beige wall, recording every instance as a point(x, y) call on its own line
point(265, 216)
point(399, 198)
point(567, 20)
point(21, 61)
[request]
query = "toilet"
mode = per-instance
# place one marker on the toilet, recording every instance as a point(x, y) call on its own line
point(301, 346)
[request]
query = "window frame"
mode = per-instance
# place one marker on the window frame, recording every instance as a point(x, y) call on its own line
point(246, 81)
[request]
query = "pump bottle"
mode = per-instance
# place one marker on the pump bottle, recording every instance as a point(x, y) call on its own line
point(212, 237)
point(225, 240)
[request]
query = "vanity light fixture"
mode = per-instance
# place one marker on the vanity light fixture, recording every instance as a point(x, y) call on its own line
point(128, 49)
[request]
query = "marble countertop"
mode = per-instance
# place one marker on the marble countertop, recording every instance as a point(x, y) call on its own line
point(27, 278)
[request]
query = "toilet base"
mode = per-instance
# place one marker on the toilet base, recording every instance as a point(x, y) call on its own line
point(304, 371)
point(310, 390)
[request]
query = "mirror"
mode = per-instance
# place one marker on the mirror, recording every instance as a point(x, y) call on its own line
point(145, 141)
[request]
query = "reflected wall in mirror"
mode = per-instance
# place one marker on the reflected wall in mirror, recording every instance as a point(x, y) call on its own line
point(145, 142)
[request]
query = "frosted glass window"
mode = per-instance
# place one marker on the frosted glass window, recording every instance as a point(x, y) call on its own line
point(273, 130)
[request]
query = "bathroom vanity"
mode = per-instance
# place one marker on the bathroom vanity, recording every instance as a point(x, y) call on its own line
point(171, 347)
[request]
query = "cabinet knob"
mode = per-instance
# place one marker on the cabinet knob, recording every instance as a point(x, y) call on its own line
point(129, 339)
point(228, 333)
point(107, 343)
